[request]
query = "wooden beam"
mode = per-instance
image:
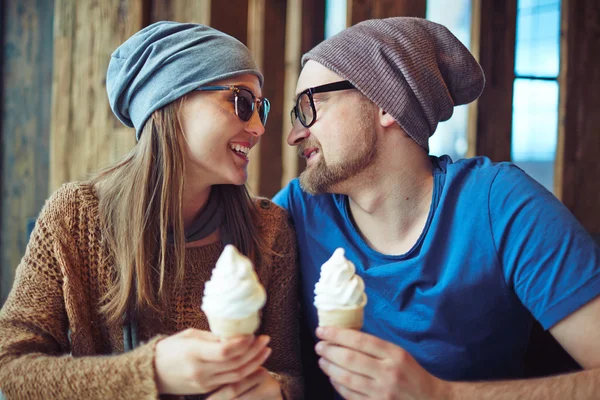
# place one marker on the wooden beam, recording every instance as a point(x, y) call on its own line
point(495, 49)
point(195, 11)
point(577, 170)
point(85, 135)
point(313, 23)
point(360, 10)
point(272, 61)
point(6, 278)
point(26, 81)
point(231, 18)
point(293, 38)
point(313, 33)
point(305, 28)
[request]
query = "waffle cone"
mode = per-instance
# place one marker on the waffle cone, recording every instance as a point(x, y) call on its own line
point(347, 318)
point(226, 328)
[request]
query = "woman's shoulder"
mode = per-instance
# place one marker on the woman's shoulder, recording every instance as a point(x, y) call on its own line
point(273, 221)
point(68, 203)
point(270, 213)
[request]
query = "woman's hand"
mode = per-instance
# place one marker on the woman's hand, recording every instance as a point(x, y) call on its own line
point(258, 386)
point(197, 362)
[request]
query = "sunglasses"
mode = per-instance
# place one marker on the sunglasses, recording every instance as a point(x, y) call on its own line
point(305, 110)
point(245, 102)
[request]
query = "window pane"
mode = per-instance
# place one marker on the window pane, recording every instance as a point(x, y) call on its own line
point(538, 37)
point(335, 17)
point(535, 128)
point(451, 136)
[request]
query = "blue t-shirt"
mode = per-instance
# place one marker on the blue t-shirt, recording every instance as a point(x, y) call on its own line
point(497, 248)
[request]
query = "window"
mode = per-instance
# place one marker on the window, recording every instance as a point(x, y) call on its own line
point(535, 97)
point(451, 136)
point(335, 17)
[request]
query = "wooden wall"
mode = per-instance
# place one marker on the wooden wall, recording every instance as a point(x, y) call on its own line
point(26, 81)
point(57, 125)
point(577, 169)
point(494, 25)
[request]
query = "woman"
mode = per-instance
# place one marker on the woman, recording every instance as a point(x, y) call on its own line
point(123, 258)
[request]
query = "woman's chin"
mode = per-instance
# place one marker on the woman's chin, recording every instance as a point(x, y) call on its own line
point(236, 179)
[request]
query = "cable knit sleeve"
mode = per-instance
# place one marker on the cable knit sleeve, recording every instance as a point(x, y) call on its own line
point(35, 359)
point(280, 315)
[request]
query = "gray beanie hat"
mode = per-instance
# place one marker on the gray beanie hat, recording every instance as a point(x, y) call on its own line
point(166, 60)
point(414, 69)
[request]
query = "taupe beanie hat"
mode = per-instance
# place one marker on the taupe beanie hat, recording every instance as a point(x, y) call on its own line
point(414, 69)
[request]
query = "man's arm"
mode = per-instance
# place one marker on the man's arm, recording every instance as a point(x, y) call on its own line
point(579, 334)
point(363, 367)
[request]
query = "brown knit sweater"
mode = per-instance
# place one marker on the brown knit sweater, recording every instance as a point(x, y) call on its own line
point(54, 344)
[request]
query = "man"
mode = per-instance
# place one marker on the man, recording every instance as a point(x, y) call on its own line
point(457, 257)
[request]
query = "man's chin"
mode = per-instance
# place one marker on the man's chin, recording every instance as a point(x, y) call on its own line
point(313, 182)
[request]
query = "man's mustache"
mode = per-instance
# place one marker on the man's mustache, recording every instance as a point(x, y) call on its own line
point(307, 145)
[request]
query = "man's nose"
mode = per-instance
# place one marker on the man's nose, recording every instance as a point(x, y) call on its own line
point(297, 134)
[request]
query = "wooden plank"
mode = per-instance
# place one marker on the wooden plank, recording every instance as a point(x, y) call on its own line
point(294, 36)
point(577, 170)
point(495, 51)
point(267, 39)
point(232, 19)
point(472, 115)
point(305, 28)
point(85, 135)
point(313, 23)
point(196, 11)
point(26, 78)
point(313, 33)
point(360, 10)
point(5, 276)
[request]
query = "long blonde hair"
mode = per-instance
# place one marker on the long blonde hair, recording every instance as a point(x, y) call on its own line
point(140, 201)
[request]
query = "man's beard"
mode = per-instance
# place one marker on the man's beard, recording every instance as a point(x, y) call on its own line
point(322, 178)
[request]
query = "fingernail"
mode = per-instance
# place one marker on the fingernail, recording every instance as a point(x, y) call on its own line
point(268, 352)
point(265, 339)
point(319, 347)
point(320, 331)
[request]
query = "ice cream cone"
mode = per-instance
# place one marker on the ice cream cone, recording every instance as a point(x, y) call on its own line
point(347, 318)
point(233, 296)
point(226, 328)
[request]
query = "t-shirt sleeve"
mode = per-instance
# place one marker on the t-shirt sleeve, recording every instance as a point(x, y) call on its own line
point(548, 258)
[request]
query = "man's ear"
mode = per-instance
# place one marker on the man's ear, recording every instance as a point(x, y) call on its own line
point(385, 119)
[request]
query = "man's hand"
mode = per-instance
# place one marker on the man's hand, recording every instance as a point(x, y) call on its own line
point(258, 386)
point(361, 366)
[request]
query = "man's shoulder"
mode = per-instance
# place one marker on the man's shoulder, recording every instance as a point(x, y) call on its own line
point(292, 195)
point(481, 173)
point(302, 205)
point(476, 166)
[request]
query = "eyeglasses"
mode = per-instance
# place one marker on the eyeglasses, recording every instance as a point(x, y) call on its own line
point(305, 110)
point(245, 102)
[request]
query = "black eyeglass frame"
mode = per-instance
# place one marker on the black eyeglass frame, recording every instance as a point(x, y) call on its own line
point(330, 87)
point(266, 104)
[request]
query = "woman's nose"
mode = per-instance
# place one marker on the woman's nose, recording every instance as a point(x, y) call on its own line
point(255, 126)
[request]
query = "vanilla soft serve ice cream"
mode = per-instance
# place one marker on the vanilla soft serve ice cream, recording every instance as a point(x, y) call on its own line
point(233, 296)
point(340, 293)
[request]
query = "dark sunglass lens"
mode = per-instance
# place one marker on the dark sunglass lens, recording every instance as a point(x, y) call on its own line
point(245, 105)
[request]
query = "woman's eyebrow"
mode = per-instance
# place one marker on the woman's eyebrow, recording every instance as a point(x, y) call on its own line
point(242, 86)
